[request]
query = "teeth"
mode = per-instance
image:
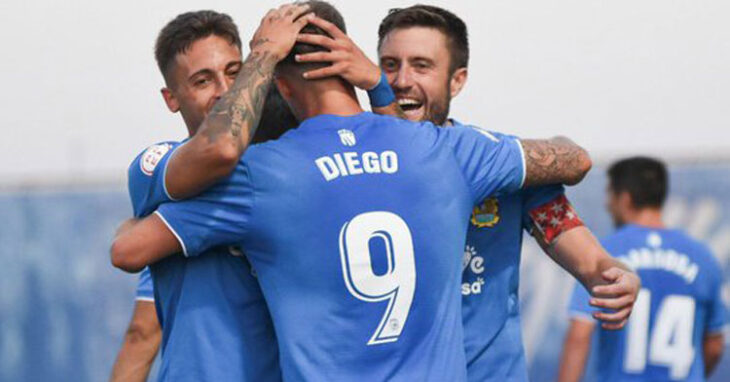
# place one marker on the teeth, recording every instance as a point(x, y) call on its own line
point(408, 102)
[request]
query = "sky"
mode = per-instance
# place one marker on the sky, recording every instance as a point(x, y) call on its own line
point(618, 77)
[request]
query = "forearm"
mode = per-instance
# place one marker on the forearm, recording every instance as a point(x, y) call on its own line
point(140, 346)
point(580, 253)
point(574, 357)
point(553, 161)
point(142, 243)
point(712, 348)
point(226, 132)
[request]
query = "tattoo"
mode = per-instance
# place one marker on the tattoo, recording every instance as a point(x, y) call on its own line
point(239, 110)
point(557, 160)
point(258, 42)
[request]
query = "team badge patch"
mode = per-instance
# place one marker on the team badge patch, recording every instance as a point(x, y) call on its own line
point(151, 158)
point(486, 214)
point(347, 137)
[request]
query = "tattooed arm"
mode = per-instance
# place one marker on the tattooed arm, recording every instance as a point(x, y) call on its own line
point(552, 161)
point(227, 130)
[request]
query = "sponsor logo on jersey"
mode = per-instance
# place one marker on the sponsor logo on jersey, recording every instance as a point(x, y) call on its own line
point(472, 264)
point(151, 158)
point(347, 137)
point(486, 214)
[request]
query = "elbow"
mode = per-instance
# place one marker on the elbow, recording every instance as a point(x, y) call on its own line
point(583, 165)
point(123, 256)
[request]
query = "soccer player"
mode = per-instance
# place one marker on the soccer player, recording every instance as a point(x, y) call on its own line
point(357, 252)
point(142, 339)
point(424, 52)
point(215, 324)
point(675, 332)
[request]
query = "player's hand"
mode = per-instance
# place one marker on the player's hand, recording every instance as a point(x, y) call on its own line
point(277, 33)
point(347, 59)
point(618, 296)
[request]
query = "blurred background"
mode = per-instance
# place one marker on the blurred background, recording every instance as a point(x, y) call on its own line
point(82, 99)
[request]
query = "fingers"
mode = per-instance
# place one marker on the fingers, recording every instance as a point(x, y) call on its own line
point(610, 290)
point(612, 273)
point(329, 71)
point(617, 326)
point(317, 57)
point(613, 317)
point(328, 27)
point(293, 11)
point(316, 39)
point(613, 303)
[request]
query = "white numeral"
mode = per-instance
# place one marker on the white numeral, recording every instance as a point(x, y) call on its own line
point(397, 284)
point(671, 338)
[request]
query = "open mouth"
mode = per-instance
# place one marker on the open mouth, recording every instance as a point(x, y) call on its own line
point(409, 104)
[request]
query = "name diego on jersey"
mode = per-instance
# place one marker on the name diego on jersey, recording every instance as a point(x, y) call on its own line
point(654, 257)
point(354, 163)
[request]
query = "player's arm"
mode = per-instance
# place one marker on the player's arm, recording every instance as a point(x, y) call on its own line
point(553, 161)
point(141, 242)
point(348, 61)
point(227, 130)
point(558, 229)
point(713, 345)
point(141, 342)
point(576, 346)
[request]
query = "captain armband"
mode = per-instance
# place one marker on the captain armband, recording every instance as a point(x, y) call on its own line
point(553, 218)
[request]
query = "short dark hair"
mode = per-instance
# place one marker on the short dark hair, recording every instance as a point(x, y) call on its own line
point(276, 118)
point(323, 10)
point(180, 33)
point(645, 179)
point(431, 17)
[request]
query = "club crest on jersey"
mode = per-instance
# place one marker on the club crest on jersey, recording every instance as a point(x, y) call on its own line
point(152, 156)
point(486, 214)
point(347, 137)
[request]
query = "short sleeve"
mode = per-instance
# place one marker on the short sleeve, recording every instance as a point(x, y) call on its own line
point(579, 307)
point(535, 197)
point(492, 165)
point(717, 313)
point(146, 178)
point(145, 291)
point(219, 216)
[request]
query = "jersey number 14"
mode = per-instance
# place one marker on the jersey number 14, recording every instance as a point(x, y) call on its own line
point(397, 285)
point(670, 343)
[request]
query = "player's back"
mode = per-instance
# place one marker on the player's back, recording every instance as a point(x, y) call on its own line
point(357, 234)
point(678, 304)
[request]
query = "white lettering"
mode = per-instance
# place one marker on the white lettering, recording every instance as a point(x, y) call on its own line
point(352, 163)
point(327, 167)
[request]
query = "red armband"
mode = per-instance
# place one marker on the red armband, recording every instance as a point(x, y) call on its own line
point(554, 217)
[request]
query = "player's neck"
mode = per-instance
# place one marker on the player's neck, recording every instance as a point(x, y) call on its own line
point(331, 97)
point(648, 217)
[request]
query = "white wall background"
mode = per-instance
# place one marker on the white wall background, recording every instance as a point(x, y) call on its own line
point(81, 86)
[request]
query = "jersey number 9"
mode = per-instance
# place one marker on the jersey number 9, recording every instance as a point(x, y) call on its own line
point(397, 284)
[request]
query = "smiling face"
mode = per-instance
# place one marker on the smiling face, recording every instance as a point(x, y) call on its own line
point(199, 76)
point(417, 62)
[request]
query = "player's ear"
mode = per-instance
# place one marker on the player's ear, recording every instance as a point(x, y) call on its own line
point(624, 201)
point(170, 100)
point(458, 80)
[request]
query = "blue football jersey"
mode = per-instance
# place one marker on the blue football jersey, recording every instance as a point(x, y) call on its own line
point(491, 271)
point(356, 228)
point(215, 323)
point(145, 291)
point(678, 304)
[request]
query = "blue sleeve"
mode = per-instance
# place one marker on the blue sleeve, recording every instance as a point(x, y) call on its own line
point(146, 178)
point(579, 306)
point(535, 197)
point(219, 216)
point(717, 312)
point(491, 165)
point(145, 291)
